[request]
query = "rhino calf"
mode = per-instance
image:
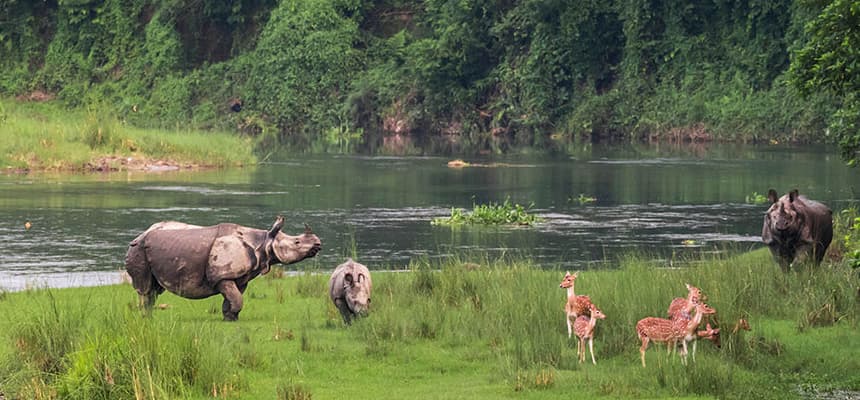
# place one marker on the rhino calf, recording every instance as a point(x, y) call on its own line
point(349, 288)
point(794, 227)
point(197, 262)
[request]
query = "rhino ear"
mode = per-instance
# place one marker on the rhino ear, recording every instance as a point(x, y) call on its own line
point(361, 278)
point(308, 230)
point(348, 279)
point(276, 227)
point(792, 195)
point(772, 196)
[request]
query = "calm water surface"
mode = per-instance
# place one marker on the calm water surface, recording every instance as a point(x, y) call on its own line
point(666, 202)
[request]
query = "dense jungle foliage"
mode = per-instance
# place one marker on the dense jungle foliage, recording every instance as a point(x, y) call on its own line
point(481, 74)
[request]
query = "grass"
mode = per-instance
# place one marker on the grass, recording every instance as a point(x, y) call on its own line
point(506, 213)
point(458, 328)
point(44, 136)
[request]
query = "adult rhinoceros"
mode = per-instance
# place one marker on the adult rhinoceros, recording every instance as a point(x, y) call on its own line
point(196, 262)
point(795, 225)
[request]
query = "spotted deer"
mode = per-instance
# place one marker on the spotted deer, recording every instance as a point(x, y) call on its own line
point(670, 331)
point(708, 334)
point(584, 328)
point(681, 307)
point(576, 304)
point(741, 325)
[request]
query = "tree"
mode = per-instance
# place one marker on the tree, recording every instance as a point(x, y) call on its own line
point(830, 62)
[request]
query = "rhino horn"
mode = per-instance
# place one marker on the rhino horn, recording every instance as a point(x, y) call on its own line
point(276, 227)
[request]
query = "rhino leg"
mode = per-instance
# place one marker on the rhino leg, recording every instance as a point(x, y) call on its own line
point(232, 304)
point(345, 312)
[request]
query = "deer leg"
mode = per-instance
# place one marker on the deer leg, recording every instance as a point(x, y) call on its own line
point(579, 349)
point(694, 349)
point(684, 351)
point(569, 327)
point(591, 348)
point(642, 350)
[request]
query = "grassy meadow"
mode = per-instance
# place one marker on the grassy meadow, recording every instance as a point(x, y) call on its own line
point(460, 328)
point(45, 136)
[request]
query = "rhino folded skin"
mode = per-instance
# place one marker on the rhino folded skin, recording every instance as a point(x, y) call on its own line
point(796, 228)
point(196, 262)
point(350, 287)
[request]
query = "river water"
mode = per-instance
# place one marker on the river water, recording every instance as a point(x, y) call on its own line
point(666, 202)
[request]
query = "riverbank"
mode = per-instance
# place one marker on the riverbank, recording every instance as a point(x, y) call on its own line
point(466, 328)
point(43, 136)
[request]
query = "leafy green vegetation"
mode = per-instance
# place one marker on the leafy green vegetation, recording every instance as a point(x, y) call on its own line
point(582, 199)
point(45, 137)
point(486, 75)
point(506, 213)
point(846, 235)
point(756, 198)
point(827, 62)
point(479, 328)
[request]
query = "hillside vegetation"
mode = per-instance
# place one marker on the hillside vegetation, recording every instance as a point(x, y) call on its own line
point(483, 74)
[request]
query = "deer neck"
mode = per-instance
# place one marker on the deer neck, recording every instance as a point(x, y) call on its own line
point(695, 321)
point(570, 292)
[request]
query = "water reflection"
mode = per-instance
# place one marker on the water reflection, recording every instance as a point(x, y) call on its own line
point(380, 208)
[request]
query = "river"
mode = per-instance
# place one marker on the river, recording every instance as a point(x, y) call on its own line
point(666, 202)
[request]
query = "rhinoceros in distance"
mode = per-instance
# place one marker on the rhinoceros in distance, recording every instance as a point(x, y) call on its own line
point(795, 226)
point(349, 287)
point(196, 262)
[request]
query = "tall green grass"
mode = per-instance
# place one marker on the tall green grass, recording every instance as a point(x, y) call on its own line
point(478, 327)
point(46, 137)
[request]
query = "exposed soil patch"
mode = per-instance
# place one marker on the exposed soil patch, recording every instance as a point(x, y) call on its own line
point(117, 163)
point(37, 96)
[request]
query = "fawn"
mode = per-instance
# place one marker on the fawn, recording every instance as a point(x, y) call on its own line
point(708, 334)
point(576, 305)
point(584, 328)
point(681, 307)
point(670, 331)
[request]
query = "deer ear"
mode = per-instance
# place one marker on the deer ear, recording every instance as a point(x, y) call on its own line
point(576, 274)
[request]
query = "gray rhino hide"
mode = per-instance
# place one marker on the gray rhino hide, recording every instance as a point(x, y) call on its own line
point(350, 287)
point(197, 262)
point(795, 226)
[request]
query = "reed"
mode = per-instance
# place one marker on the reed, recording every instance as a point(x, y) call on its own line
point(480, 327)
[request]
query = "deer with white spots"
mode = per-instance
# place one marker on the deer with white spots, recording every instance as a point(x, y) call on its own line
point(670, 331)
point(682, 307)
point(584, 328)
point(576, 305)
